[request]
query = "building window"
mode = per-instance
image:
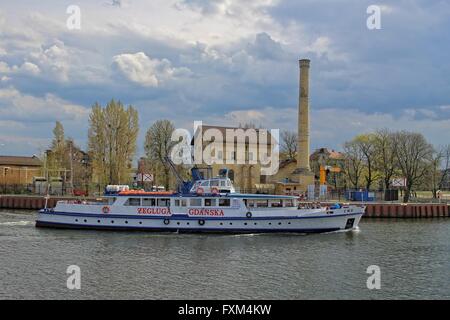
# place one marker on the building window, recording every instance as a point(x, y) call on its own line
point(231, 174)
point(220, 154)
point(264, 157)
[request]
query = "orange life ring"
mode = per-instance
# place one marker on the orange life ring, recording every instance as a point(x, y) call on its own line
point(214, 190)
point(200, 190)
point(105, 209)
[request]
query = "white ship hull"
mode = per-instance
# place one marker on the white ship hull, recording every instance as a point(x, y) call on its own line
point(308, 223)
point(194, 212)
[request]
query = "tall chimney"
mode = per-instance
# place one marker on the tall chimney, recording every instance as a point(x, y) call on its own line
point(303, 118)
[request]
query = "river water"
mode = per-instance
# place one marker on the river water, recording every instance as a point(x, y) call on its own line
point(413, 256)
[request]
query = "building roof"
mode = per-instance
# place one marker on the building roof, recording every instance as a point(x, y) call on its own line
point(20, 161)
point(286, 162)
point(331, 154)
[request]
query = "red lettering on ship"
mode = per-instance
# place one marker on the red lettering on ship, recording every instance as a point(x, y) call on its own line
point(206, 212)
point(160, 211)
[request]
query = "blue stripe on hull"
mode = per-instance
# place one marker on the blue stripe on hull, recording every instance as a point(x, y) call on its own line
point(46, 224)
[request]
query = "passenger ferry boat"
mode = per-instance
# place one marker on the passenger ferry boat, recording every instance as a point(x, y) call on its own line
point(210, 205)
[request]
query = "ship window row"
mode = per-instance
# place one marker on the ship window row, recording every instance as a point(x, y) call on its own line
point(151, 202)
point(270, 203)
point(165, 202)
point(216, 183)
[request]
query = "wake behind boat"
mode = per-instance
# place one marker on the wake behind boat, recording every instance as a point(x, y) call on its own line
point(210, 205)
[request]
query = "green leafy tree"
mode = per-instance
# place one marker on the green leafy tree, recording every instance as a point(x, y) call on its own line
point(113, 132)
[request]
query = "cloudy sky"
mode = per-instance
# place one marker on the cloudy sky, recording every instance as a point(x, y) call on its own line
point(224, 62)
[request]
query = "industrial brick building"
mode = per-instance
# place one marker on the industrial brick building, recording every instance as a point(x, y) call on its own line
point(17, 170)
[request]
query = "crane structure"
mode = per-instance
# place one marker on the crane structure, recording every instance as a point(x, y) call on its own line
point(324, 170)
point(183, 185)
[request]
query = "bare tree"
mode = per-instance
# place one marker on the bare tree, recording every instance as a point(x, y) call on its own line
point(385, 161)
point(413, 154)
point(434, 173)
point(158, 145)
point(366, 144)
point(445, 165)
point(438, 169)
point(289, 144)
point(354, 163)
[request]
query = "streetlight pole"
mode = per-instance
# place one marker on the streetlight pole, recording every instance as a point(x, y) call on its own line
point(71, 168)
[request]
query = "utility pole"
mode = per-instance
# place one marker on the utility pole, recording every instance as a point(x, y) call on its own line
point(71, 167)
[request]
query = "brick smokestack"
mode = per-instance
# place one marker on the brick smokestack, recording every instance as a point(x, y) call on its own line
point(303, 118)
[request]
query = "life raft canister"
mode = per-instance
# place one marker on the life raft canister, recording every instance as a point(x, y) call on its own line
point(200, 190)
point(105, 209)
point(201, 222)
point(248, 214)
point(166, 221)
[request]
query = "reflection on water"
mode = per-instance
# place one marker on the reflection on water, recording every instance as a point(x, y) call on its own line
point(414, 257)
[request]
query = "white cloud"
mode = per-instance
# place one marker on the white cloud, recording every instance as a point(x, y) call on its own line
point(25, 68)
point(23, 144)
point(145, 71)
point(4, 67)
point(55, 60)
point(241, 53)
point(246, 116)
point(17, 106)
point(30, 68)
point(332, 127)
